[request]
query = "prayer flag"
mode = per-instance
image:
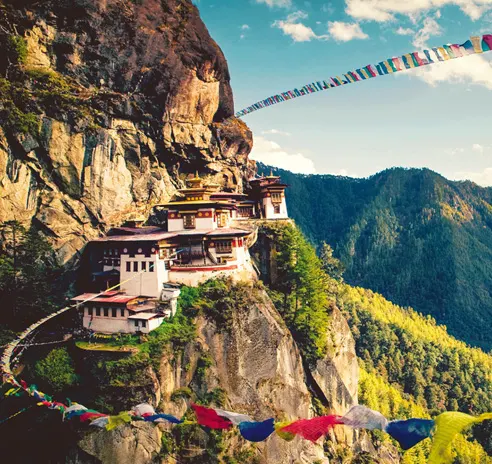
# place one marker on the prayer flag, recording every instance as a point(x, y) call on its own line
point(410, 432)
point(256, 431)
point(449, 51)
point(361, 74)
point(443, 53)
point(234, 417)
point(487, 42)
point(448, 425)
point(371, 70)
point(209, 418)
point(287, 436)
point(162, 418)
point(436, 51)
point(361, 417)
point(312, 429)
point(477, 44)
point(428, 55)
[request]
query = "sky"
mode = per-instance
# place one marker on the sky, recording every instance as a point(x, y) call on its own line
point(437, 117)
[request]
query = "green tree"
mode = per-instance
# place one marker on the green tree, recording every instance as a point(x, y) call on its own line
point(57, 370)
point(28, 275)
point(331, 265)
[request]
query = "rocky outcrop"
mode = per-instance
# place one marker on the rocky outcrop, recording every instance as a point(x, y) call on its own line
point(148, 102)
point(257, 366)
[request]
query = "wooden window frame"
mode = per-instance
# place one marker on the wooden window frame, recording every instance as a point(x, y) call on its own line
point(223, 246)
point(189, 221)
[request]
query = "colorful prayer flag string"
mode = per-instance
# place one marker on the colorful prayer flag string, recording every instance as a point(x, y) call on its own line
point(392, 65)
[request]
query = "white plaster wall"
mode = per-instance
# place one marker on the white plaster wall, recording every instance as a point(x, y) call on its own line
point(175, 224)
point(145, 283)
point(269, 211)
point(107, 324)
point(202, 223)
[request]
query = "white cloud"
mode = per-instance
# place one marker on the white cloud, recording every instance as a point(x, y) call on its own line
point(478, 148)
point(473, 69)
point(430, 28)
point(483, 178)
point(328, 8)
point(276, 3)
point(245, 27)
point(384, 10)
point(345, 31)
point(295, 29)
point(242, 36)
point(271, 153)
point(277, 132)
point(404, 31)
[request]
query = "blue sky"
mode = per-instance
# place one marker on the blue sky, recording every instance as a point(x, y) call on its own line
point(437, 117)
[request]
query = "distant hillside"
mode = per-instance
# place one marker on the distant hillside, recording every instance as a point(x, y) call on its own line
point(413, 368)
point(409, 234)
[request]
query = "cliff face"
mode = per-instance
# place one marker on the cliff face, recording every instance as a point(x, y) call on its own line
point(257, 364)
point(129, 96)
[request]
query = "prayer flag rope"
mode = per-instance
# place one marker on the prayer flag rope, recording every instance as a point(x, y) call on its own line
point(407, 433)
point(472, 46)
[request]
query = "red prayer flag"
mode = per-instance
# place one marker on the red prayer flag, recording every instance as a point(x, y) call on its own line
point(488, 40)
point(209, 418)
point(312, 429)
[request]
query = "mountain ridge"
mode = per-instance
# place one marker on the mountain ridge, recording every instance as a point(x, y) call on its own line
point(409, 234)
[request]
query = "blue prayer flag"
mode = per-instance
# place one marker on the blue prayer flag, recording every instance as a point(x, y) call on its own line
point(256, 431)
point(410, 432)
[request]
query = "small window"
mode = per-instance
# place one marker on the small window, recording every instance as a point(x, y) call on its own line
point(136, 323)
point(113, 312)
point(276, 198)
point(122, 312)
point(135, 266)
point(98, 312)
point(189, 221)
point(144, 323)
point(144, 265)
point(151, 267)
point(276, 209)
point(222, 219)
point(106, 312)
point(224, 246)
point(128, 266)
point(90, 311)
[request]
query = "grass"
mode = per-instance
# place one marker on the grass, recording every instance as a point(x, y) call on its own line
point(101, 346)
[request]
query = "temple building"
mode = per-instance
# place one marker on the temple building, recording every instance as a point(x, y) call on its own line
point(203, 239)
point(268, 194)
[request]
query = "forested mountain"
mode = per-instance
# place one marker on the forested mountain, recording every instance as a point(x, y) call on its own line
point(410, 234)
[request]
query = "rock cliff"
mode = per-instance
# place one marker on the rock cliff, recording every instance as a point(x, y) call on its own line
point(256, 366)
point(106, 106)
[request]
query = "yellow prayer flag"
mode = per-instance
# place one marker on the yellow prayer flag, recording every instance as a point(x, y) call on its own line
point(448, 425)
point(409, 60)
point(444, 53)
point(477, 44)
point(284, 435)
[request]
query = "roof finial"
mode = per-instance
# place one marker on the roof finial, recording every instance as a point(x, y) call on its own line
point(196, 174)
point(271, 172)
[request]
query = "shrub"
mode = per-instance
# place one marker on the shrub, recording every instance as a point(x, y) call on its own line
point(17, 49)
point(57, 370)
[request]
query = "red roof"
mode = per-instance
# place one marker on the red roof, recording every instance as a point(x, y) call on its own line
point(110, 297)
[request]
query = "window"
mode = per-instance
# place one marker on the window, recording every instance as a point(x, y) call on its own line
point(122, 312)
point(136, 323)
point(135, 266)
point(128, 266)
point(144, 265)
point(276, 209)
point(98, 312)
point(224, 246)
point(276, 198)
point(113, 312)
point(151, 267)
point(222, 219)
point(144, 324)
point(90, 311)
point(106, 312)
point(189, 221)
